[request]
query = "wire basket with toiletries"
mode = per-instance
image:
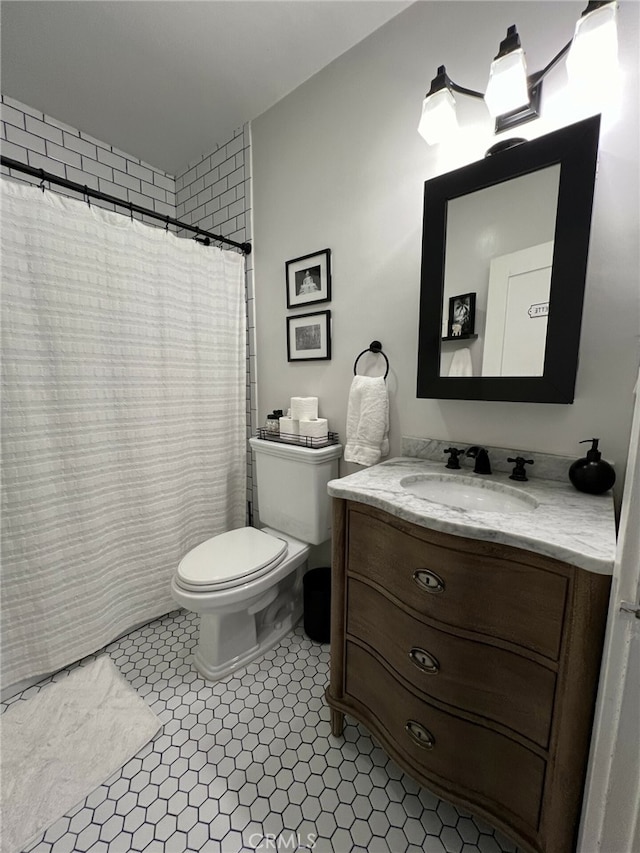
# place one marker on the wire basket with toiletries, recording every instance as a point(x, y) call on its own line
point(300, 440)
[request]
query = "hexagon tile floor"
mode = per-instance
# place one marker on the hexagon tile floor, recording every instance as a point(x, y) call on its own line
point(248, 764)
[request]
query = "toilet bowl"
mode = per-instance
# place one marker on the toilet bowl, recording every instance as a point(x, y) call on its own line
point(246, 584)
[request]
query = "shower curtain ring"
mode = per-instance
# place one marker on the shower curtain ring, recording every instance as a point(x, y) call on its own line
point(131, 209)
point(86, 195)
point(42, 179)
point(166, 227)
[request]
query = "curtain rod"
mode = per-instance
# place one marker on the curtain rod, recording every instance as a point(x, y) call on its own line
point(245, 248)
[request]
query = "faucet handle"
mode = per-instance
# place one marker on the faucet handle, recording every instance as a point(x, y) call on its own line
point(518, 472)
point(453, 461)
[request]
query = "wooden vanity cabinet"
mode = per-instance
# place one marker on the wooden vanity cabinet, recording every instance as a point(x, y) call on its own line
point(474, 664)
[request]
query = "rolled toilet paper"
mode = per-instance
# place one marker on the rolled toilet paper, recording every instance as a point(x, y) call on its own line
point(304, 408)
point(289, 429)
point(314, 427)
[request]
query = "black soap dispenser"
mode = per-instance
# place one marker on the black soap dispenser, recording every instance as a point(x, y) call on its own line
point(591, 473)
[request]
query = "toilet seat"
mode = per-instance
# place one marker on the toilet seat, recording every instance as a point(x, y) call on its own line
point(229, 560)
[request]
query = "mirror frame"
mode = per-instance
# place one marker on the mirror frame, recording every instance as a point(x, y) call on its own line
point(575, 148)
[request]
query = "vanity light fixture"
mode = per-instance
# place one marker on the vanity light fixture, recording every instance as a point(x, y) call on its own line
point(507, 88)
point(596, 35)
point(438, 120)
point(512, 96)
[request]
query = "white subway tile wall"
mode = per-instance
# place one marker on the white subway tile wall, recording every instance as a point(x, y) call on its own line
point(212, 193)
point(45, 143)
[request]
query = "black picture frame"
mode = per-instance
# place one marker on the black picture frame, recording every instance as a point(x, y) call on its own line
point(462, 316)
point(309, 336)
point(575, 149)
point(308, 279)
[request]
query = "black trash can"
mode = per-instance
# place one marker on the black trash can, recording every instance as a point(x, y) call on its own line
point(316, 593)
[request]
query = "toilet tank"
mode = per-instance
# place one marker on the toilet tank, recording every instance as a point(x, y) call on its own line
point(292, 487)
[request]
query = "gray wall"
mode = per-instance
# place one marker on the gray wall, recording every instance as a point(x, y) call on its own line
point(339, 163)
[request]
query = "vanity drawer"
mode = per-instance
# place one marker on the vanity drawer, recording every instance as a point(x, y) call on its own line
point(486, 680)
point(495, 596)
point(483, 764)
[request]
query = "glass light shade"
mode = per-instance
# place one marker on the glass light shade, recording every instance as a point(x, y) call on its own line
point(438, 121)
point(593, 56)
point(507, 87)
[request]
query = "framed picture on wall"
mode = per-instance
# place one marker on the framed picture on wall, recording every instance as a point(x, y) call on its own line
point(309, 337)
point(308, 279)
point(462, 315)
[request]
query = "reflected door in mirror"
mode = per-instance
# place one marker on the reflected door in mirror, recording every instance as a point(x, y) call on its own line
point(517, 312)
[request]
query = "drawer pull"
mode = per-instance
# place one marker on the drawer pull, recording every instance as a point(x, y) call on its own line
point(428, 581)
point(419, 735)
point(424, 661)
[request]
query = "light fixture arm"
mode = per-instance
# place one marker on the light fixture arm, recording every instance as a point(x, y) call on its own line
point(536, 78)
point(532, 81)
point(443, 81)
point(462, 91)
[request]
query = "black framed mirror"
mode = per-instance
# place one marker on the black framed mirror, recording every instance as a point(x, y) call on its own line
point(504, 257)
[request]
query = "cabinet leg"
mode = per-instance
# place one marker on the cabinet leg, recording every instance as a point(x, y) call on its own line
point(337, 723)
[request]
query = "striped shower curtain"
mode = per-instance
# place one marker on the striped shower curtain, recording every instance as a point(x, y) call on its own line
point(123, 421)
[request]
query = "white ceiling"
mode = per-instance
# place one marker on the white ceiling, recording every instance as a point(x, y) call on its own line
point(166, 80)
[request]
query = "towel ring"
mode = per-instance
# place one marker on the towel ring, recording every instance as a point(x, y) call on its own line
point(374, 347)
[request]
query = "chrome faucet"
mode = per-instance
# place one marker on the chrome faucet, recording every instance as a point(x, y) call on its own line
point(482, 466)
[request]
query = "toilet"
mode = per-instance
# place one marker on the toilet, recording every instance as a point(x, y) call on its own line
point(246, 584)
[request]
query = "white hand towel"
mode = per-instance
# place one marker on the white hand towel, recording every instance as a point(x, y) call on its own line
point(367, 421)
point(461, 363)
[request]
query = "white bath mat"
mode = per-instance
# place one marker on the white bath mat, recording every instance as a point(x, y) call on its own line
point(60, 744)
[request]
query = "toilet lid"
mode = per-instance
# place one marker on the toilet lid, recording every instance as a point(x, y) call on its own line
point(231, 556)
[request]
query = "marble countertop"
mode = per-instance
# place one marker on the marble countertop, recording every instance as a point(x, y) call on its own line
point(566, 524)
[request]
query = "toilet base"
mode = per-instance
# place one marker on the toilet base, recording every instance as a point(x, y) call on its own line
point(229, 640)
point(266, 640)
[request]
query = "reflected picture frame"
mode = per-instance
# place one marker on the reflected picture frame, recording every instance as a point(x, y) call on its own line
point(308, 279)
point(309, 337)
point(462, 316)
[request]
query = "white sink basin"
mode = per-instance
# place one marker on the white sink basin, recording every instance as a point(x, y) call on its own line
point(465, 492)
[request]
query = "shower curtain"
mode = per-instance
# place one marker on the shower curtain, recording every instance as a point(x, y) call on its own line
point(123, 420)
